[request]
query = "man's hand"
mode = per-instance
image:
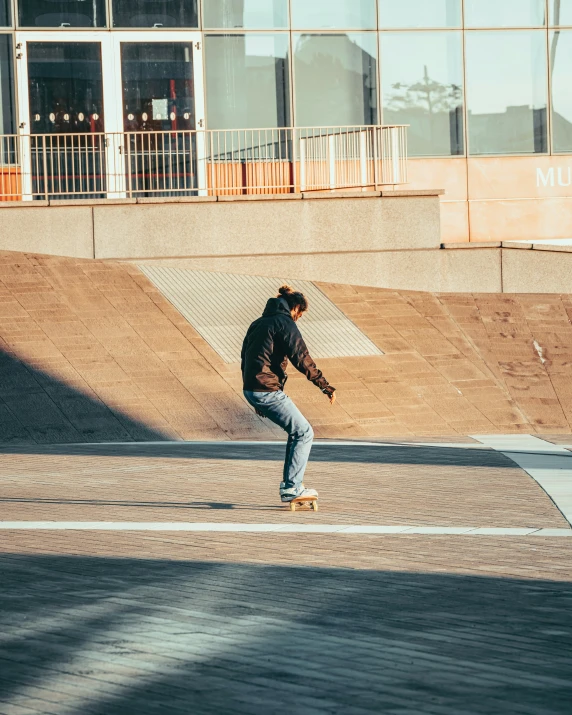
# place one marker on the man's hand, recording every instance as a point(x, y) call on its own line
point(332, 398)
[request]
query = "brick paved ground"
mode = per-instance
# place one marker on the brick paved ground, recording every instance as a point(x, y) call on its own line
point(429, 486)
point(147, 622)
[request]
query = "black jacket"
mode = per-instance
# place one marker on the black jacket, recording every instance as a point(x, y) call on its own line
point(270, 342)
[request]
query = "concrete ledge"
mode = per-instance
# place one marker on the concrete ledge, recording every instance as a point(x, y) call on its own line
point(413, 192)
point(258, 197)
point(349, 194)
point(268, 225)
point(41, 203)
point(522, 246)
point(90, 202)
point(177, 200)
point(483, 244)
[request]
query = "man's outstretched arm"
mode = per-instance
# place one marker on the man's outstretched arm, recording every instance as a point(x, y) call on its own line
point(300, 357)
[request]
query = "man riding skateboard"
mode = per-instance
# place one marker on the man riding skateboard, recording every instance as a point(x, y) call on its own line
point(270, 342)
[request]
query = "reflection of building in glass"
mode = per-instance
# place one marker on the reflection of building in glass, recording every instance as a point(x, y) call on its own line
point(514, 131)
point(335, 81)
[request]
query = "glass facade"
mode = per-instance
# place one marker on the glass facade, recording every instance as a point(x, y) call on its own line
point(247, 81)
point(279, 63)
point(507, 92)
point(245, 14)
point(561, 62)
point(66, 87)
point(5, 19)
point(155, 13)
point(7, 108)
point(505, 13)
point(425, 90)
point(419, 14)
point(328, 15)
point(61, 13)
point(335, 80)
point(560, 12)
point(158, 92)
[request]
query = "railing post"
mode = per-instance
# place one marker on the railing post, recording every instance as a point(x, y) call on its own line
point(332, 160)
point(395, 163)
point(302, 154)
point(377, 137)
point(26, 166)
point(202, 184)
point(363, 154)
point(115, 165)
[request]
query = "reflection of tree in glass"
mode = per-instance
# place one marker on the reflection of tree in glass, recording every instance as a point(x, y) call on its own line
point(433, 111)
point(426, 93)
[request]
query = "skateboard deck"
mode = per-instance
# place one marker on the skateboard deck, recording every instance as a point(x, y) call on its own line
point(311, 502)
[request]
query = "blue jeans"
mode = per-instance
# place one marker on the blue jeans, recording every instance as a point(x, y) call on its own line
point(280, 409)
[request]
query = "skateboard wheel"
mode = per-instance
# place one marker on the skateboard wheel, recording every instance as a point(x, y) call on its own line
point(315, 505)
point(292, 506)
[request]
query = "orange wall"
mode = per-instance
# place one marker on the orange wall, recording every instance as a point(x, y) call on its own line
point(500, 198)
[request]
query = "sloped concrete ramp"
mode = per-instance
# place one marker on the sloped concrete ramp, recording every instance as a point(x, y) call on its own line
point(93, 351)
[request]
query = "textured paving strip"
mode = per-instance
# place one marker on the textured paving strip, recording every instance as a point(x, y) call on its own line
point(221, 306)
point(548, 464)
point(264, 528)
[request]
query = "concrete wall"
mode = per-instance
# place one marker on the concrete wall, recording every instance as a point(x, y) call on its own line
point(344, 222)
point(424, 270)
point(546, 270)
point(379, 239)
point(35, 227)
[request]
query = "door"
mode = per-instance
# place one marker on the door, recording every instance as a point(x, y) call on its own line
point(65, 83)
point(161, 100)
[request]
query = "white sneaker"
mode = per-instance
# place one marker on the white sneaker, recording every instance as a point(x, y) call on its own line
point(287, 495)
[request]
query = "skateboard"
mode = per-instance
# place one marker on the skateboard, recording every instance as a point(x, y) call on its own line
point(312, 502)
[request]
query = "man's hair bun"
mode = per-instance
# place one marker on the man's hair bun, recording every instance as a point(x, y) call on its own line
point(294, 298)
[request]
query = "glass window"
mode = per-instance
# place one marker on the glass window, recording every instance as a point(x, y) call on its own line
point(419, 13)
point(247, 84)
point(61, 13)
point(248, 14)
point(504, 13)
point(338, 15)
point(66, 89)
point(155, 13)
point(561, 63)
point(506, 92)
point(560, 12)
point(7, 110)
point(5, 19)
point(335, 80)
point(424, 89)
point(157, 82)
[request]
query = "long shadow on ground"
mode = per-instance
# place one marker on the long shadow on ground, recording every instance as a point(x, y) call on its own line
point(36, 407)
point(321, 452)
point(106, 636)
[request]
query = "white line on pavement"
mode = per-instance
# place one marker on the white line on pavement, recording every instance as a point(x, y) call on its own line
point(282, 528)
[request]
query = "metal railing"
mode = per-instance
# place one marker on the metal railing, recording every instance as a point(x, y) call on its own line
point(207, 162)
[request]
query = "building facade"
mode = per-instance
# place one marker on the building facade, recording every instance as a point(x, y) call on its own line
point(484, 86)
